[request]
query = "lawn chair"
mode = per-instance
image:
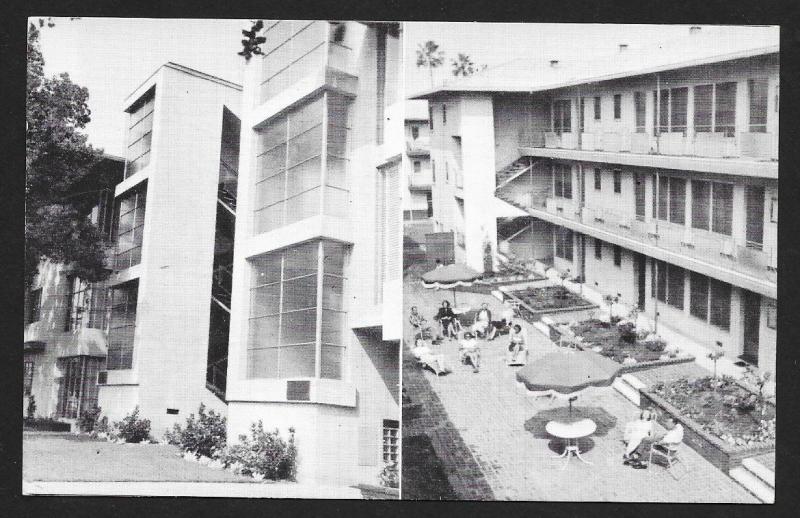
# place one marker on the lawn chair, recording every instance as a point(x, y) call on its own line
point(668, 452)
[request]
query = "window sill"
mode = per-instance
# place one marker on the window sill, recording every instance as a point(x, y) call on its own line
point(322, 391)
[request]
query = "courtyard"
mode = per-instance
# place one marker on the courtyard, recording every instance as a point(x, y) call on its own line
point(493, 418)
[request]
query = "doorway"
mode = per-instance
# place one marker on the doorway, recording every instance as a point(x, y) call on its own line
point(641, 277)
point(751, 319)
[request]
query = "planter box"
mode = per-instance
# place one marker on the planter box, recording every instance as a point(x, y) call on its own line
point(370, 492)
point(717, 452)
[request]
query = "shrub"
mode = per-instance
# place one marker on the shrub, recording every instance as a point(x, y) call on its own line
point(390, 476)
point(133, 429)
point(31, 410)
point(656, 344)
point(88, 419)
point(204, 436)
point(627, 332)
point(263, 453)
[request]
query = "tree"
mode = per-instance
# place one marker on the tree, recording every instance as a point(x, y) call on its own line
point(463, 66)
point(429, 55)
point(61, 182)
point(251, 45)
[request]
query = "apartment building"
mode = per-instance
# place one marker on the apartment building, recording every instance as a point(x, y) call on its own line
point(66, 326)
point(417, 196)
point(650, 174)
point(315, 327)
point(174, 218)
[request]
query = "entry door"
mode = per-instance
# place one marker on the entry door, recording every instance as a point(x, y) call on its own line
point(641, 271)
point(751, 317)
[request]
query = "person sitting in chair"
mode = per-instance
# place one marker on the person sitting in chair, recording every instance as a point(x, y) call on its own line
point(508, 315)
point(661, 442)
point(482, 325)
point(517, 347)
point(418, 322)
point(635, 432)
point(469, 352)
point(422, 352)
point(446, 318)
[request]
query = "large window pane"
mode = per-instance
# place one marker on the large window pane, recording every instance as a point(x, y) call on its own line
point(300, 260)
point(266, 269)
point(677, 200)
point(299, 327)
point(303, 177)
point(337, 172)
point(122, 326)
point(678, 100)
point(720, 304)
point(332, 359)
point(639, 106)
point(703, 96)
point(263, 363)
point(306, 145)
point(265, 300)
point(303, 206)
point(722, 208)
point(758, 105)
point(269, 191)
point(263, 332)
point(300, 293)
point(269, 218)
point(297, 361)
point(332, 288)
point(332, 327)
point(333, 259)
point(725, 113)
point(701, 204)
point(306, 117)
point(698, 296)
point(271, 162)
point(675, 286)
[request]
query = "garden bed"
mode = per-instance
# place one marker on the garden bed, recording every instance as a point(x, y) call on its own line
point(721, 418)
point(551, 298)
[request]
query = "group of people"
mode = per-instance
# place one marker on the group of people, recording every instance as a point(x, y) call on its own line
point(482, 327)
point(640, 438)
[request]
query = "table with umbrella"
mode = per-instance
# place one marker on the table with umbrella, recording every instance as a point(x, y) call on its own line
point(566, 374)
point(450, 277)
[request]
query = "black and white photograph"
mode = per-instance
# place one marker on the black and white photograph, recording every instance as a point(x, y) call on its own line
point(400, 260)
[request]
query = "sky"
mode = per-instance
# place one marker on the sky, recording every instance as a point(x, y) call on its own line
point(112, 56)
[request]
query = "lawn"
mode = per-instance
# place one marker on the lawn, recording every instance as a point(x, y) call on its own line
point(595, 332)
point(722, 408)
point(77, 458)
point(549, 297)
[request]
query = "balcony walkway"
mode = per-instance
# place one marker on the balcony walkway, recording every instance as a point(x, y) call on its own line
point(490, 415)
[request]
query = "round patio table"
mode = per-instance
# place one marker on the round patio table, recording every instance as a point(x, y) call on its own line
point(571, 432)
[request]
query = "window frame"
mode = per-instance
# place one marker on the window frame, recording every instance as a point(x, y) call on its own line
point(714, 111)
point(598, 108)
point(617, 181)
point(617, 107)
point(562, 181)
point(640, 110)
point(390, 441)
point(598, 249)
point(129, 316)
point(598, 179)
point(564, 248)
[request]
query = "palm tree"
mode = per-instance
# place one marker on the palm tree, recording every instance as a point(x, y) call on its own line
point(463, 66)
point(429, 55)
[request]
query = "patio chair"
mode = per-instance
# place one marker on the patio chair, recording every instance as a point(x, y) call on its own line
point(668, 452)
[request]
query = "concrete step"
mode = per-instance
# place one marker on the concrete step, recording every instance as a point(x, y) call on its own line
point(761, 471)
point(623, 387)
point(753, 484)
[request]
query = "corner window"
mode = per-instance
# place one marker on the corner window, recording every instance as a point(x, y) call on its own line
point(296, 323)
point(617, 106)
point(128, 229)
point(140, 133)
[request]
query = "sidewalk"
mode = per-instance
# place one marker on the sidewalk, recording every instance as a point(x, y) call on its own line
point(204, 489)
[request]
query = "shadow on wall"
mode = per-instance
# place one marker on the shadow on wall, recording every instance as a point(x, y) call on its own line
point(385, 357)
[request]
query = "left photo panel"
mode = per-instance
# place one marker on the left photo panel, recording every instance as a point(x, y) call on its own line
point(213, 268)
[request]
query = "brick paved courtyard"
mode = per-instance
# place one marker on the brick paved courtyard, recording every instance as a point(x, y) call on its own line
point(489, 413)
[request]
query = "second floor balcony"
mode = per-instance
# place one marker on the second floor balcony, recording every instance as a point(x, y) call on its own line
point(744, 145)
point(422, 180)
point(420, 146)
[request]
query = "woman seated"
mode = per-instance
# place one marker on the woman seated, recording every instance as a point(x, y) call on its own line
point(448, 320)
point(419, 323)
point(469, 352)
point(423, 354)
point(482, 324)
point(517, 347)
point(508, 315)
point(635, 433)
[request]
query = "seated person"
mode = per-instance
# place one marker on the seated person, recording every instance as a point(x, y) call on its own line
point(447, 319)
point(422, 352)
point(517, 347)
point(469, 352)
point(418, 322)
point(508, 316)
point(635, 432)
point(671, 438)
point(482, 325)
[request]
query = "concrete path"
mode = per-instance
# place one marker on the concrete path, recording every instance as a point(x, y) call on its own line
point(490, 412)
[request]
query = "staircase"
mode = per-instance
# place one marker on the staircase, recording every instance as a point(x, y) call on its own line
point(756, 478)
point(507, 198)
point(226, 197)
point(513, 170)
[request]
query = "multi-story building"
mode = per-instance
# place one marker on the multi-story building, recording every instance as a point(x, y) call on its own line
point(417, 198)
point(315, 327)
point(650, 174)
point(174, 217)
point(66, 326)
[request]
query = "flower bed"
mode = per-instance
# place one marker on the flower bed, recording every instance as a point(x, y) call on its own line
point(722, 453)
point(550, 298)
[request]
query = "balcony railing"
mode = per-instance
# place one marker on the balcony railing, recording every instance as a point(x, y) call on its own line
point(563, 207)
point(758, 146)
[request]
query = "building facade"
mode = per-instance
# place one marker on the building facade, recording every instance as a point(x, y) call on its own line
point(417, 195)
point(173, 225)
point(651, 178)
point(316, 299)
point(66, 326)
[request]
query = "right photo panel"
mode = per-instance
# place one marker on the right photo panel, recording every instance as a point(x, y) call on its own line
point(590, 262)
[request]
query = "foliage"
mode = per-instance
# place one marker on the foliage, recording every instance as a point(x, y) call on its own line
point(251, 45)
point(515, 266)
point(463, 66)
point(62, 181)
point(101, 426)
point(132, 428)
point(429, 55)
point(722, 408)
point(204, 436)
point(88, 419)
point(657, 344)
point(264, 454)
point(627, 332)
point(756, 379)
point(390, 476)
point(31, 410)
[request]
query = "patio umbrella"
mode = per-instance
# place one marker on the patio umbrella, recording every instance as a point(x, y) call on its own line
point(450, 277)
point(568, 373)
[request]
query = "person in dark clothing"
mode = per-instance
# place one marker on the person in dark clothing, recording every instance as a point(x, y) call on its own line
point(447, 319)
